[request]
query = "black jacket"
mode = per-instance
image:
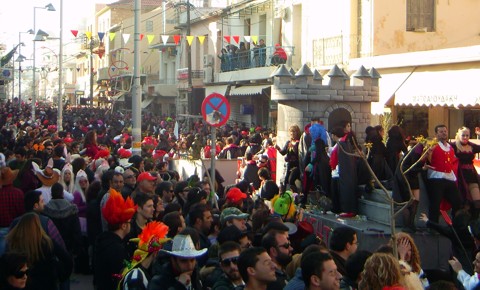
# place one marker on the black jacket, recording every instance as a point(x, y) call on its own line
point(166, 280)
point(65, 217)
point(109, 255)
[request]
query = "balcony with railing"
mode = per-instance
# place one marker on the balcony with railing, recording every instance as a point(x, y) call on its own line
point(339, 49)
point(254, 64)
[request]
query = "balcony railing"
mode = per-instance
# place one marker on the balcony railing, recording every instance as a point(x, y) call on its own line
point(339, 49)
point(235, 59)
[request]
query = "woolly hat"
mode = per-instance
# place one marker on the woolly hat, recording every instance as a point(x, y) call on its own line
point(117, 210)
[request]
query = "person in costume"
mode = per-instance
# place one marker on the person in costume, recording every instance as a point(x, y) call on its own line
point(110, 249)
point(137, 273)
point(467, 175)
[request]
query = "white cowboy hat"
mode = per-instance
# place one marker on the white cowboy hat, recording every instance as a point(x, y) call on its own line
point(183, 247)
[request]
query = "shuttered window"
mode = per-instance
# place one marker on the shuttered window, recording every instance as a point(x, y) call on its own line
point(421, 15)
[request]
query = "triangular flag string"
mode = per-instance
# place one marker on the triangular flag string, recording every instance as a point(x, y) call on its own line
point(150, 38)
point(101, 35)
point(74, 32)
point(247, 38)
point(164, 39)
point(201, 38)
point(141, 36)
point(111, 35)
point(176, 39)
point(126, 37)
point(88, 34)
point(255, 39)
point(227, 38)
point(190, 39)
point(236, 38)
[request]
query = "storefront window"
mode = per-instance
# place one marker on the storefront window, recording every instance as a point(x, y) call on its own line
point(414, 121)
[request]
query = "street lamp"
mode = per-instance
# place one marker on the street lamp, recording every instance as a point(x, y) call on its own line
point(20, 59)
point(49, 7)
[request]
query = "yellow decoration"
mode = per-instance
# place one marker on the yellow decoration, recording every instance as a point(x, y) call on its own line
point(190, 39)
point(88, 34)
point(150, 38)
point(201, 38)
point(255, 39)
point(111, 35)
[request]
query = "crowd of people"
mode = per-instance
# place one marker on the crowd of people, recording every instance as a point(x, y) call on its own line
point(78, 200)
point(243, 57)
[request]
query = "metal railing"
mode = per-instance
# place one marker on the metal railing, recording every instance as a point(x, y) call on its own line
point(236, 59)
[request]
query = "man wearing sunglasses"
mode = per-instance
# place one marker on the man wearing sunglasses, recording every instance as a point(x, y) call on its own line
point(228, 254)
point(278, 247)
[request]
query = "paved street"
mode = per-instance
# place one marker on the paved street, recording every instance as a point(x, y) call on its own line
point(81, 282)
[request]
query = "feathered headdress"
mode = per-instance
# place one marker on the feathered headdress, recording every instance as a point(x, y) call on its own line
point(150, 240)
point(117, 210)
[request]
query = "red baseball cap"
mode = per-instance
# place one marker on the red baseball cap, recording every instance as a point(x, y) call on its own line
point(146, 176)
point(235, 195)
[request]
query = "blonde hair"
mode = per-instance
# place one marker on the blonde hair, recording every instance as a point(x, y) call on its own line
point(296, 130)
point(29, 237)
point(380, 270)
point(458, 136)
point(415, 256)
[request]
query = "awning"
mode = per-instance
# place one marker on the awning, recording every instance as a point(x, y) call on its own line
point(440, 88)
point(220, 89)
point(146, 102)
point(248, 90)
point(119, 97)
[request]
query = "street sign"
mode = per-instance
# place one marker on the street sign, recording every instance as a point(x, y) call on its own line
point(215, 110)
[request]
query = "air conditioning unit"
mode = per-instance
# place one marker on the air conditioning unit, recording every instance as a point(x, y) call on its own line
point(208, 60)
point(208, 75)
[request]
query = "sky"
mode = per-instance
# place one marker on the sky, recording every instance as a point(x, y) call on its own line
point(17, 16)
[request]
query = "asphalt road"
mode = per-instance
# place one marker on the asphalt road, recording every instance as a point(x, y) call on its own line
point(81, 282)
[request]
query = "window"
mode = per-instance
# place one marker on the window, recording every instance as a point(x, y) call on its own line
point(149, 24)
point(421, 15)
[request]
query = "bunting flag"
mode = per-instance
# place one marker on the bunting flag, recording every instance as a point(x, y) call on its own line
point(78, 69)
point(111, 35)
point(255, 39)
point(126, 37)
point(190, 39)
point(236, 38)
point(150, 38)
point(227, 38)
point(74, 32)
point(201, 38)
point(176, 39)
point(101, 35)
point(88, 34)
point(141, 36)
point(247, 38)
point(164, 39)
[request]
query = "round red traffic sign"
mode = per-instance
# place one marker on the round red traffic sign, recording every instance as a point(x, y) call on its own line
point(215, 110)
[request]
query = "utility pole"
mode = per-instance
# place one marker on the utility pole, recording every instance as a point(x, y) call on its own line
point(189, 64)
point(137, 90)
point(91, 72)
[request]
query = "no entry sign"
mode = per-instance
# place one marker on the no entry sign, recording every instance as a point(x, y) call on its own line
point(215, 110)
